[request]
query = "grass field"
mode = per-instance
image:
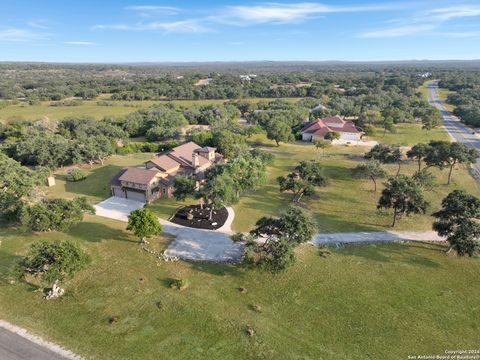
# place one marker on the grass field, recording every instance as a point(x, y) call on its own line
point(96, 186)
point(363, 302)
point(91, 109)
point(384, 301)
point(410, 134)
point(346, 204)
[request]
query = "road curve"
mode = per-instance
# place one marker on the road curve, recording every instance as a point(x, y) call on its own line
point(457, 130)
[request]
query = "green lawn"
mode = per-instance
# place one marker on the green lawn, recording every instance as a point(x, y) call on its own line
point(346, 204)
point(90, 108)
point(364, 302)
point(384, 301)
point(96, 186)
point(410, 134)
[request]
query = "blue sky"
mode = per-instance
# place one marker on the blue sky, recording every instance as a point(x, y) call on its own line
point(159, 31)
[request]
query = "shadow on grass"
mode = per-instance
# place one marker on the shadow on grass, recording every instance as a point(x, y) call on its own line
point(392, 252)
point(7, 265)
point(96, 232)
point(218, 269)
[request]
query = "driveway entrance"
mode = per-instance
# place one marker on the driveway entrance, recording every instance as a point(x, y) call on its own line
point(117, 208)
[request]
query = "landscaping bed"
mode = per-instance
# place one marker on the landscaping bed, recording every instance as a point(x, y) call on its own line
point(195, 217)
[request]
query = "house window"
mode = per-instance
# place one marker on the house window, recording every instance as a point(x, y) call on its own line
point(164, 191)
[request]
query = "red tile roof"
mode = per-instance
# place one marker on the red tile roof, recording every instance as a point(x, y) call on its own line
point(331, 124)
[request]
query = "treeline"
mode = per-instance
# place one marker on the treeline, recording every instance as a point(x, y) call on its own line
point(37, 82)
point(52, 144)
point(466, 97)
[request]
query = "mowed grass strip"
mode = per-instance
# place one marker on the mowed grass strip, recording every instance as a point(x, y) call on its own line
point(370, 301)
point(90, 108)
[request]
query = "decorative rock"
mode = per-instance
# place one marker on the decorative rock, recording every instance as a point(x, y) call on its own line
point(113, 320)
point(249, 330)
point(54, 292)
point(242, 290)
point(161, 256)
point(257, 308)
point(325, 253)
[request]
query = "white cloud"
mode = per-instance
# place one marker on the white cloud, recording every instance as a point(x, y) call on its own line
point(465, 34)
point(397, 31)
point(286, 13)
point(182, 26)
point(21, 35)
point(40, 24)
point(426, 22)
point(453, 12)
point(84, 43)
point(152, 9)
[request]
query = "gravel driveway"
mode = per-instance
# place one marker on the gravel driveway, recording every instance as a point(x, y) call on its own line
point(374, 236)
point(189, 244)
point(216, 245)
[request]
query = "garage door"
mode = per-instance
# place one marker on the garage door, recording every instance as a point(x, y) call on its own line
point(118, 192)
point(349, 136)
point(132, 195)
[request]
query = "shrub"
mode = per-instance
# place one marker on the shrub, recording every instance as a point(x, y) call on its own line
point(265, 157)
point(55, 214)
point(76, 175)
point(51, 261)
point(179, 284)
point(369, 130)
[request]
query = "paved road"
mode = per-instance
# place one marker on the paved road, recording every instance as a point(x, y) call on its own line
point(15, 347)
point(455, 128)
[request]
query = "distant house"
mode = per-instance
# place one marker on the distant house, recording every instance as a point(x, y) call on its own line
point(156, 179)
point(317, 129)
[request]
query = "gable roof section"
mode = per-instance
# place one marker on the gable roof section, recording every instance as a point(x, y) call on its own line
point(183, 153)
point(164, 162)
point(335, 123)
point(205, 149)
point(137, 176)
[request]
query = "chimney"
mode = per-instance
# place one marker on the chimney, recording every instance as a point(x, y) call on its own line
point(195, 162)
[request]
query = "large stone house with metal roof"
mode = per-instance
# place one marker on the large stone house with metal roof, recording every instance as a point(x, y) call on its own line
point(317, 129)
point(156, 179)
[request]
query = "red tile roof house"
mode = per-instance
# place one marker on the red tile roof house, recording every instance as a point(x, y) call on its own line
point(317, 129)
point(156, 179)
